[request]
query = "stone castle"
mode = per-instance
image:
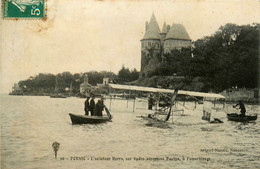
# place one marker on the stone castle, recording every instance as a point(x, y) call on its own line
point(156, 43)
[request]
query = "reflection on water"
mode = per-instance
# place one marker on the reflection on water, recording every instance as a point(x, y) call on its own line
point(31, 124)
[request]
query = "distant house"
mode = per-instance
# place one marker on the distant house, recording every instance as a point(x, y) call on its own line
point(85, 87)
point(106, 80)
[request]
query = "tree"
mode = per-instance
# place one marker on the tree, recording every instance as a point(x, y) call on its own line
point(134, 75)
point(227, 58)
point(124, 74)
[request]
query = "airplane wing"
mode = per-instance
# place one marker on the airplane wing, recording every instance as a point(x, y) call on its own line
point(157, 90)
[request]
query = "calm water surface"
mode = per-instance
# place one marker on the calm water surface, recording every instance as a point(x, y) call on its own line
point(29, 126)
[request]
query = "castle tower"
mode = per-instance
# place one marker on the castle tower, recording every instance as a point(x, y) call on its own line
point(176, 38)
point(150, 44)
point(163, 33)
point(156, 44)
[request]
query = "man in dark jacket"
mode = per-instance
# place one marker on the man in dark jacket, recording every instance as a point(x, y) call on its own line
point(241, 107)
point(87, 106)
point(92, 106)
point(99, 107)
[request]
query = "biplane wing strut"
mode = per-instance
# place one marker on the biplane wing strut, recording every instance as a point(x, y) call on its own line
point(172, 102)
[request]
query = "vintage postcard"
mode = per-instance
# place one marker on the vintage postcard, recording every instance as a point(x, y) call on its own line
point(130, 84)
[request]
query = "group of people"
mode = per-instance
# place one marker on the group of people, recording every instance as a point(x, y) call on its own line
point(95, 109)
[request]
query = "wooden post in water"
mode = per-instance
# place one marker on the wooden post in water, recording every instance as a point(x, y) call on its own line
point(110, 98)
point(128, 97)
point(110, 102)
point(134, 105)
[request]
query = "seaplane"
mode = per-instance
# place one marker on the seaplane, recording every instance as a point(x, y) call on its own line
point(162, 113)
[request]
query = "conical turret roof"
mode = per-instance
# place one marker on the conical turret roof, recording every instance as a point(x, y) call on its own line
point(177, 31)
point(153, 30)
point(164, 28)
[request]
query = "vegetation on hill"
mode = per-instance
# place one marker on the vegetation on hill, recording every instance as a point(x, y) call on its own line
point(227, 59)
point(44, 83)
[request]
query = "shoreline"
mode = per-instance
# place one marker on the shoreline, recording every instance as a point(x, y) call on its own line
point(226, 100)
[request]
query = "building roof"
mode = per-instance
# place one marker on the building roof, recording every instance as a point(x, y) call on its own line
point(153, 30)
point(177, 31)
point(164, 28)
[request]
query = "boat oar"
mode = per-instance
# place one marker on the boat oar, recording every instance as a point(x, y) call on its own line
point(108, 113)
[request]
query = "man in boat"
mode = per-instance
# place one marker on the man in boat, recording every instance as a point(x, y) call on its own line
point(99, 107)
point(241, 107)
point(92, 105)
point(87, 106)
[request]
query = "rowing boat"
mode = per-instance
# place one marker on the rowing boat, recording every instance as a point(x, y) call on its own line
point(239, 118)
point(82, 119)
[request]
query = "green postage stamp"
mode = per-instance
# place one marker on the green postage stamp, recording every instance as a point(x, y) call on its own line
point(23, 9)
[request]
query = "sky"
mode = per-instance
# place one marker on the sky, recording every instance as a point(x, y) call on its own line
point(85, 35)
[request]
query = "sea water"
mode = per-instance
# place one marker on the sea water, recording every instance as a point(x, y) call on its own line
point(31, 124)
